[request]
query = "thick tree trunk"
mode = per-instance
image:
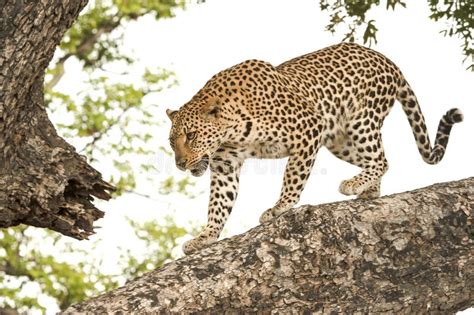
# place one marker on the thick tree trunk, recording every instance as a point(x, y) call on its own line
point(43, 181)
point(407, 253)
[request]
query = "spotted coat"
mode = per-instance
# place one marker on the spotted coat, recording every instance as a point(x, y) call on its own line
point(336, 97)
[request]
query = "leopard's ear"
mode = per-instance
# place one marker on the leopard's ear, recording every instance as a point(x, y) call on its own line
point(171, 113)
point(212, 110)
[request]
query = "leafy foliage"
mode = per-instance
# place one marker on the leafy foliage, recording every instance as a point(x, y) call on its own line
point(458, 14)
point(113, 120)
point(159, 240)
point(22, 263)
point(353, 15)
point(110, 120)
point(29, 268)
point(92, 40)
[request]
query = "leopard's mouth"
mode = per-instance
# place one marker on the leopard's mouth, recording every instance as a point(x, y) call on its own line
point(200, 167)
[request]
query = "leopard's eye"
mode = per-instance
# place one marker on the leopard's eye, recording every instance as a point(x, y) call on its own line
point(191, 135)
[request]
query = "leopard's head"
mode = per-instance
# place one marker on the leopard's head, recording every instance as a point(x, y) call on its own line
point(197, 131)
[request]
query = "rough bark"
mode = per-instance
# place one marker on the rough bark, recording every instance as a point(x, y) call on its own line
point(406, 253)
point(43, 181)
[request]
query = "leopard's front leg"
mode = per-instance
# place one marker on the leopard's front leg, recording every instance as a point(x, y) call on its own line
point(225, 170)
point(297, 171)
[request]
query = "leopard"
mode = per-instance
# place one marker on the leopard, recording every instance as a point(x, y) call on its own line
point(336, 97)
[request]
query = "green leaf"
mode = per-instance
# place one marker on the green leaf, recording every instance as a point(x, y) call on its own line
point(370, 33)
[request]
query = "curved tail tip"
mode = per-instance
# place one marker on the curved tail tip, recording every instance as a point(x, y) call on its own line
point(454, 115)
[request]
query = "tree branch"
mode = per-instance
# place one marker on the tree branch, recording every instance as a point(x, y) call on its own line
point(81, 51)
point(406, 253)
point(58, 72)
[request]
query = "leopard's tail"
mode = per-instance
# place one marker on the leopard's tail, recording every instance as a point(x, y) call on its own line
point(431, 155)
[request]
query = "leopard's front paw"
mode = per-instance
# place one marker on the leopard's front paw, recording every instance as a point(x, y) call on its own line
point(370, 193)
point(274, 212)
point(267, 216)
point(193, 245)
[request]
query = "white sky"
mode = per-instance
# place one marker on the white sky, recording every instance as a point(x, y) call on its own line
point(209, 37)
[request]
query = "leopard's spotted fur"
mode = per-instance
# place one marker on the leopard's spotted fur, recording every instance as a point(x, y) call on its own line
point(337, 97)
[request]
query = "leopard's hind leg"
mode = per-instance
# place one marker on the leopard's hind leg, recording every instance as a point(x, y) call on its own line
point(366, 185)
point(362, 146)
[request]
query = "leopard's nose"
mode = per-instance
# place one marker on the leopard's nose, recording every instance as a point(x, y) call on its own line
point(181, 164)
